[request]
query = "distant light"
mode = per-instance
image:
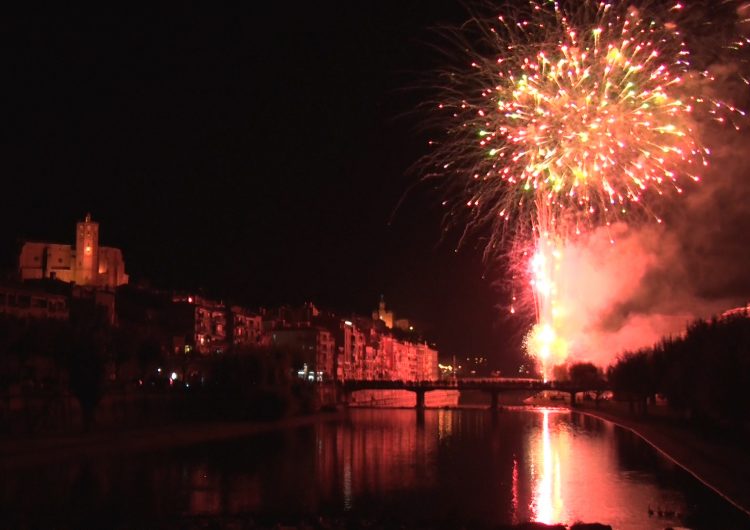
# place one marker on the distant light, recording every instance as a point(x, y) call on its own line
point(190, 299)
point(347, 322)
point(158, 370)
point(174, 376)
point(411, 328)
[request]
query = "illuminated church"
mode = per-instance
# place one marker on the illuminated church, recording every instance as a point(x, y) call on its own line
point(87, 264)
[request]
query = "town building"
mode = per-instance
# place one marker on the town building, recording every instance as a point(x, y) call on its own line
point(313, 350)
point(200, 322)
point(24, 302)
point(245, 328)
point(427, 363)
point(351, 350)
point(382, 314)
point(86, 264)
point(389, 319)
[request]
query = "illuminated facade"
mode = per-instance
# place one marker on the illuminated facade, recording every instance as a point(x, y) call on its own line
point(389, 319)
point(381, 314)
point(427, 363)
point(359, 348)
point(202, 321)
point(351, 351)
point(367, 352)
point(245, 327)
point(87, 264)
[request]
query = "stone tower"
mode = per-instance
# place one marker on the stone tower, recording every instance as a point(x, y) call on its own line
point(87, 252)
point(381, 314)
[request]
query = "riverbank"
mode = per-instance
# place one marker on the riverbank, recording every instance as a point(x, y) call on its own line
point(721, 465)
point(43, 449)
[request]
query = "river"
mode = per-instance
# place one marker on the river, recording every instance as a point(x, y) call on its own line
point(441, 467)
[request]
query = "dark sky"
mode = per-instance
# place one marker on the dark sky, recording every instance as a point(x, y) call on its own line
point(260, 157)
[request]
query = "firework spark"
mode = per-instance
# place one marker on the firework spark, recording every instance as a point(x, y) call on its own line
point(572, 116)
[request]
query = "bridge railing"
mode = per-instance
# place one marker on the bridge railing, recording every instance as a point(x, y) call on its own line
point(475, 383)
point(468, 383)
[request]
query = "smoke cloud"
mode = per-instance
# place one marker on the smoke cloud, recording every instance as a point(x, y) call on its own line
point(656, 278)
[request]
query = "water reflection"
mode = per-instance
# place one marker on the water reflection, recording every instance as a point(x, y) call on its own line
point(376, 457)
point(445, 425)
point(453, 467)
point(545, 471)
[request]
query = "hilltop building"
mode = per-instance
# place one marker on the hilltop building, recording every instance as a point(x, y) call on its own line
point(382, 314)
point(86, 264)
point(389, 320)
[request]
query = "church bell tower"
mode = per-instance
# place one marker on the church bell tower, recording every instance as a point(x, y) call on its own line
point(87, 251)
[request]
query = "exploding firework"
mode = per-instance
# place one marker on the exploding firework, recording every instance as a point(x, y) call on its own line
point(571, 116)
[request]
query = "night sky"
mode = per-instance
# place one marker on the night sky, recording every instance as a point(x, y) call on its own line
point(259, 157)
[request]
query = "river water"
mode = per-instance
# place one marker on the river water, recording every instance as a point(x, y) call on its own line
point(449, 468)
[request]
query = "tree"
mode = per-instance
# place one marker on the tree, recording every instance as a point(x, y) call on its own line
point(86, 373)
point(585, 375)
point(631, 379)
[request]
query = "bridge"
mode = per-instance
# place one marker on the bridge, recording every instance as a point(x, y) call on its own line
point(493, 386)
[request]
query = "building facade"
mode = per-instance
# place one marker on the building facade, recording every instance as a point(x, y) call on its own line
point(86, 264)
point(201, 323)
point(328, 347)
point(245, 328)
point(312, 348)
point(382, 314)
point(31, 303)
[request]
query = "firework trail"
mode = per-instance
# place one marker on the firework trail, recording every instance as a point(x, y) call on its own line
point(569, 117)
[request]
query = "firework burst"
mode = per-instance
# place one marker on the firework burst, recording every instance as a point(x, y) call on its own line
point(567, 116)
point(589, 112)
